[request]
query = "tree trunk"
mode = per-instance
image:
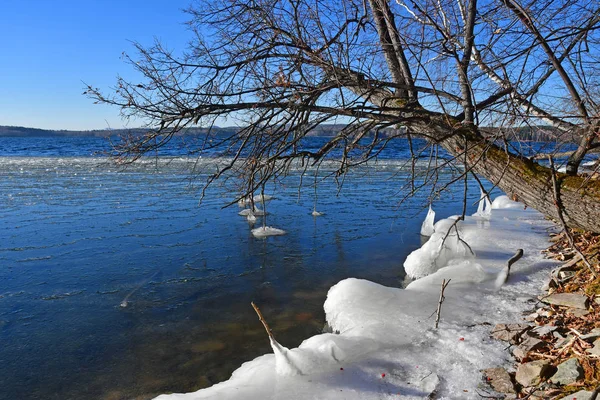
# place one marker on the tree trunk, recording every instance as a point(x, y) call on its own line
point(531, 183)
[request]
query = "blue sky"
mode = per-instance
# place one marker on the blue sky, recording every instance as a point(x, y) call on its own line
point(49, 48)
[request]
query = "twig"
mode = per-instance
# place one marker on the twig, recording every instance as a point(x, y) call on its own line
point(454, 225)
point(261, 318)
point(558, 205)
point(442, 298)
point(513, 260)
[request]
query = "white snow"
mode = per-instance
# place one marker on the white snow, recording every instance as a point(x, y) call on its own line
point(427, 226)
point(265, 231)
point(315, 213)
point(504, 202)
point(448, 242)
point(385, 346)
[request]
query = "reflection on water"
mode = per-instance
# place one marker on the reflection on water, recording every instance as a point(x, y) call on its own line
point(116, 284)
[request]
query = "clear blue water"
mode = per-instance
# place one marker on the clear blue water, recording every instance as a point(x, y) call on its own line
point(78, 235)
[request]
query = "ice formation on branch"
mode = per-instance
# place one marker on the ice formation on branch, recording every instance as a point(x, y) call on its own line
point(446, 243)
point(484, 207)
point(427, 226)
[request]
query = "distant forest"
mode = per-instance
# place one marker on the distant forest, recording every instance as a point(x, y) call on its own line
point(536, 133)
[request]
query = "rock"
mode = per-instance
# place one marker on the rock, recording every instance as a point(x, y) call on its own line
point(572, 300)
point(597, 300)
point(509, 332)
point(499, 379)
point(566, 275)
point(532, 317)
point(581, 395)
point(595, 351)
point(568, 372)
point(592, 335)
point(530, 343)
point(577, 312)
point(532, 373)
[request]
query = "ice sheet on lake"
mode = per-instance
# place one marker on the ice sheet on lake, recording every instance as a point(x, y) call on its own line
point(385, 346)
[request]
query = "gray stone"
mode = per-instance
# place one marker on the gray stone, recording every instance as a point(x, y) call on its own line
point(509, 332)
point(572, 300)
point(568, 372)
point(530, 343)
point(532, 373)
point(595, 351)
point(566, 274)
point(532, 317)
point(577, 312)
point(597, 300)
point(592, 335)
point(499, 379)
point(581, 395)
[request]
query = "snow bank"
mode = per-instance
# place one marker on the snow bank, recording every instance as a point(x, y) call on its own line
point(385, 346)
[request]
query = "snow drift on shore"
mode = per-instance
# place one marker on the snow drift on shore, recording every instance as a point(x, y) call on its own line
point(385, 346)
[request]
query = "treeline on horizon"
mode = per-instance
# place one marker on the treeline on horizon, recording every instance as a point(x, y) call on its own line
point(540, 133)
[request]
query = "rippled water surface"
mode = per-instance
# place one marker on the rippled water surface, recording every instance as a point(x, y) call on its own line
point(78, 236)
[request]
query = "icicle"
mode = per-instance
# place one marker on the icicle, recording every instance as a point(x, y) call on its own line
point(481, 205)
point(251, 218)
point(427, 226)
point(488, 205)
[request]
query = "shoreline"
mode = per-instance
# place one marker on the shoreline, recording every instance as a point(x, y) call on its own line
point(387, 346)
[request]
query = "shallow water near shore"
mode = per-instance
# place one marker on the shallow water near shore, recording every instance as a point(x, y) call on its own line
point(79, 236)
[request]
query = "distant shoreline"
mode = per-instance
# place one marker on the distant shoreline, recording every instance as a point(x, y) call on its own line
point(525, 134)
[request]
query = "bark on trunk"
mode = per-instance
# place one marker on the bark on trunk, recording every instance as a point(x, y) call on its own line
point(531, 183)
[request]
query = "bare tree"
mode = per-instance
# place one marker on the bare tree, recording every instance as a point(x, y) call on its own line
point(465, 75)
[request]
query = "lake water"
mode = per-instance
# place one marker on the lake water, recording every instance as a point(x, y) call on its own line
point(79, 235)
